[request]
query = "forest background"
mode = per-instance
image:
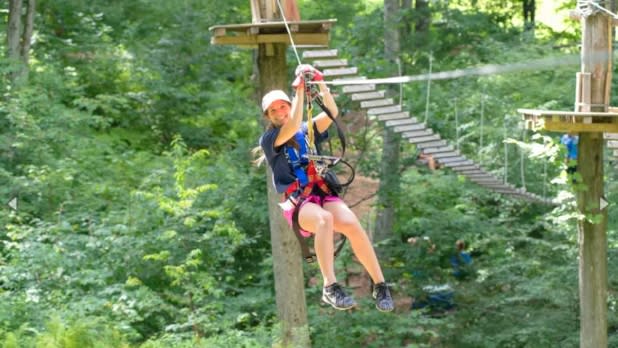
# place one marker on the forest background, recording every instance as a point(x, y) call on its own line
point(141, 221)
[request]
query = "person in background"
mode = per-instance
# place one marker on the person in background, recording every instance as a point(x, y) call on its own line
point(461, 261)
point(570, 141)
point(428, 160)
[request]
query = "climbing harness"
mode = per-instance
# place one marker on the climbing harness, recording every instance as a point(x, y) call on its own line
point(313, 170)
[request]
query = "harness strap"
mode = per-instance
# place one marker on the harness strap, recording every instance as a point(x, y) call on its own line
point(340, 132)
point(304, 248)
point(298, 161)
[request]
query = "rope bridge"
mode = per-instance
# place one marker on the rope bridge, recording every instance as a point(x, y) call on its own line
point(415, 131)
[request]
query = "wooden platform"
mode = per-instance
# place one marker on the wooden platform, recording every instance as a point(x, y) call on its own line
point(571, 121)
point(305, 33)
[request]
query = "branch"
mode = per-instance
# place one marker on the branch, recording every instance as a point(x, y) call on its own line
point(363, 199)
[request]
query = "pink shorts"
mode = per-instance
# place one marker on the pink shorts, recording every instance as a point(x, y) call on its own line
point(288, 214)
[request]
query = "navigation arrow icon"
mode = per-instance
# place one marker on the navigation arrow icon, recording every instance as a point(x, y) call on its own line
point(13, 203)
point(603, 203)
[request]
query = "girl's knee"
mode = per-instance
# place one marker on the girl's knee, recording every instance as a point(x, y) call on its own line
point(325, 220)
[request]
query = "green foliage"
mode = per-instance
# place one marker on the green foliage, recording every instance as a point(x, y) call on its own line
point(85, 333)
point(141, 222)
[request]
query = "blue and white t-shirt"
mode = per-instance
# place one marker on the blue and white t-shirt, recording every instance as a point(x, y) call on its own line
point(570, 141)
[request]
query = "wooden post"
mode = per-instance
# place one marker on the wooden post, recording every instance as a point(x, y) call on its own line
point(256, 16)
point(287, 258)
point(596, 58)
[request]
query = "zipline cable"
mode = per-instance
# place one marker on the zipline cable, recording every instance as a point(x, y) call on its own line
point(428, 88)
point(586, 11)
point(491, 69)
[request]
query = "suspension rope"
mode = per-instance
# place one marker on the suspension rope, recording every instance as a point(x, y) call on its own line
point(400, 70)
point(428, 88)
point(456, 126)
point(287, 27)
point(544, 171)
point(506, 153)
point(522, 159)
point(482, 126)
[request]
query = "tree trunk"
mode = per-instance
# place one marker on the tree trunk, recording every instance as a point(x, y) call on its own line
point(424, 18)
point(529, 8)
point(19, 36)
point(389, 173)
point(14, 29)
point(391, 29)
point(287, 258)
point(27, 34)
point(596, 60)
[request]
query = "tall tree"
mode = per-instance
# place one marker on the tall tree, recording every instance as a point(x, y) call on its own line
point(389, 175)
point(529, 7)
point(596, 62)
point(19, 37)
point(287, 259)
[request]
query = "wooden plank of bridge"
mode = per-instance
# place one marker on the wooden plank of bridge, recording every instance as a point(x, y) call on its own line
point(330, 63)
point(377, 103)
point(470, 167)
point(448, 154)
point(399, 122)
point(368, 95)
point(412, 127)
point(386, 110)
point(430, 144)
point(394, 116)
point(459, 158)
point(418, 133)
point(461, 163)
point(358, 88)
point(491, 180)
point(318, 54)
point(475, 174)
point(339, 72)
point(427, 139)
point(442, 149)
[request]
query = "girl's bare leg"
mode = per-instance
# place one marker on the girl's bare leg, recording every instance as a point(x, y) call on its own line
point(319, 221)
point(346, 222)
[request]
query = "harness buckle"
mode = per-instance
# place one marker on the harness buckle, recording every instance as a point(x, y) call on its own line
point(322, 163)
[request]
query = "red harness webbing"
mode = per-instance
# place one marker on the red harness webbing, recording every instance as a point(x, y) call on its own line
point(314, 179)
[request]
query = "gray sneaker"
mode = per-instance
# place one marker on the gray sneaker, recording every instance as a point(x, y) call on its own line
point(336, 297)
point(382, 295)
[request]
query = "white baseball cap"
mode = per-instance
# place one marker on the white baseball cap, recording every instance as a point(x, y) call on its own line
point(272, 96)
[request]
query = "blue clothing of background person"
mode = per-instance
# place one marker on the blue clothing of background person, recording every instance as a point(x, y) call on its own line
point(461, 261)
point(570, 141)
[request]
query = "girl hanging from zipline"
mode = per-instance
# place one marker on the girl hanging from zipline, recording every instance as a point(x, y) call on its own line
point(311, 204)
